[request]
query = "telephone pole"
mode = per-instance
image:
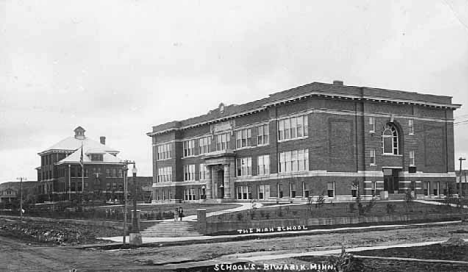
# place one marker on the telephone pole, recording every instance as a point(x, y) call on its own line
point(21, 196)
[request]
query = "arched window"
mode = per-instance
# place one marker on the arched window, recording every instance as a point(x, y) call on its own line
point(390, 140)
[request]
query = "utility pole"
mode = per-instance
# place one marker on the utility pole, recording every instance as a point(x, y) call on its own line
point(124, 170)
point(125, 174)
point(21, 196)
point(460, 191)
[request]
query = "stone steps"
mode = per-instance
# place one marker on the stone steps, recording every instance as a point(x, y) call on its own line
point(171, 229)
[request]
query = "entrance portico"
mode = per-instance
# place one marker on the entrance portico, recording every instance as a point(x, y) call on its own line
point(220, 182)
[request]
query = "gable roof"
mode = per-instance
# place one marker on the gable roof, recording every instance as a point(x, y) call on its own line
point(75, 157)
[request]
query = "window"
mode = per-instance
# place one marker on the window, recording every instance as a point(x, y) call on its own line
point(165, 174)
point(292, 128)
point(372, 124)
point(202, 172)
point(261, 192)
point(280, 190)
point(354, 189)
point(164, 152)
point(331, 189)
point(390, 140)
point(294, 161)
point(189, 194)
point(411, 126)
point(243, 138)
point(244, 166)
point(96, 157)
point(263, 135)
point(204, 145)
point(189, 148)
point(108, 174)
point(292, 190)
point(263, 165)
point(244, 192)
point(372, 157)
point(411, 158)
point(305, 189)
point(222, 141)
point(426, 188)
point(436, 188)
point(189, 172)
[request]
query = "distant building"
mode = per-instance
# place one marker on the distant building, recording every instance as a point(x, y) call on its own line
point(318, 139)
point(10, 191)
point(60, 173)
point(463, 180)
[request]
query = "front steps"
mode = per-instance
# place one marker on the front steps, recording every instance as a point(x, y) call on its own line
point(171, 229)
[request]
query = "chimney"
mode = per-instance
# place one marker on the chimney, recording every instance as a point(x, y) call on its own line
point(337, 82)
point(103, 140)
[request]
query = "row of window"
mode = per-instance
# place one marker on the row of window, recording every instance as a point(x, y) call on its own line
point(165, 174)
point(292, 128)
point(164, 152)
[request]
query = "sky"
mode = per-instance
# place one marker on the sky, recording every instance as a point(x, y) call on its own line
point(119, 67)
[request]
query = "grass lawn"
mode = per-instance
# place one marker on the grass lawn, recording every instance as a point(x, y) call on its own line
point(328, 210)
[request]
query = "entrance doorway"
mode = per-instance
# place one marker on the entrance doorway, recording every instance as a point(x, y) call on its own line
point(220, 183)
point(391, 180)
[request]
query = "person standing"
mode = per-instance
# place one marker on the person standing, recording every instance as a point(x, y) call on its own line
point(176, 214)
point(181, 213)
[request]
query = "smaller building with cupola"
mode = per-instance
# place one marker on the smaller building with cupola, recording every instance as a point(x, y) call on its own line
point(61, 175)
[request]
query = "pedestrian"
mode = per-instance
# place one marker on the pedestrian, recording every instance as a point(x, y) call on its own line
point(181, 213)
point(176, 214)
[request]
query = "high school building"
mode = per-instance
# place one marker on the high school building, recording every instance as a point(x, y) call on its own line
point(318, 139)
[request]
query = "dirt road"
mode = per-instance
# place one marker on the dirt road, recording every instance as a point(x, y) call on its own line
point(18, 256)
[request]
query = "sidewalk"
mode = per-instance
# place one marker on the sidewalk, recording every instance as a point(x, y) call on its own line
point(159, 240)
point(243, 207)
point(262, 256)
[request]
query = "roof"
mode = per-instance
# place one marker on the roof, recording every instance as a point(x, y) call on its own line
point(72, 143)
point(337, 89)
point(15, 185)
point(74, 158)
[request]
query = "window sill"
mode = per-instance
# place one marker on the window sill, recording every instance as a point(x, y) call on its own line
point(372, 164)
point(244, 147)
point(294, 139)
point(164, 160)
point(260, 145)
point(392, 155)
point(191, 156)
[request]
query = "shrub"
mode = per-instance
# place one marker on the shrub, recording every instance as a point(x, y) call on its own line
point(390, 208)
point(320, 201)
point(352, 207)
point(409, 201)
point(252, 214)
point(280, 212)
point(240, 216)
point(370, 205)
point(267, 215)
point(345, 262)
